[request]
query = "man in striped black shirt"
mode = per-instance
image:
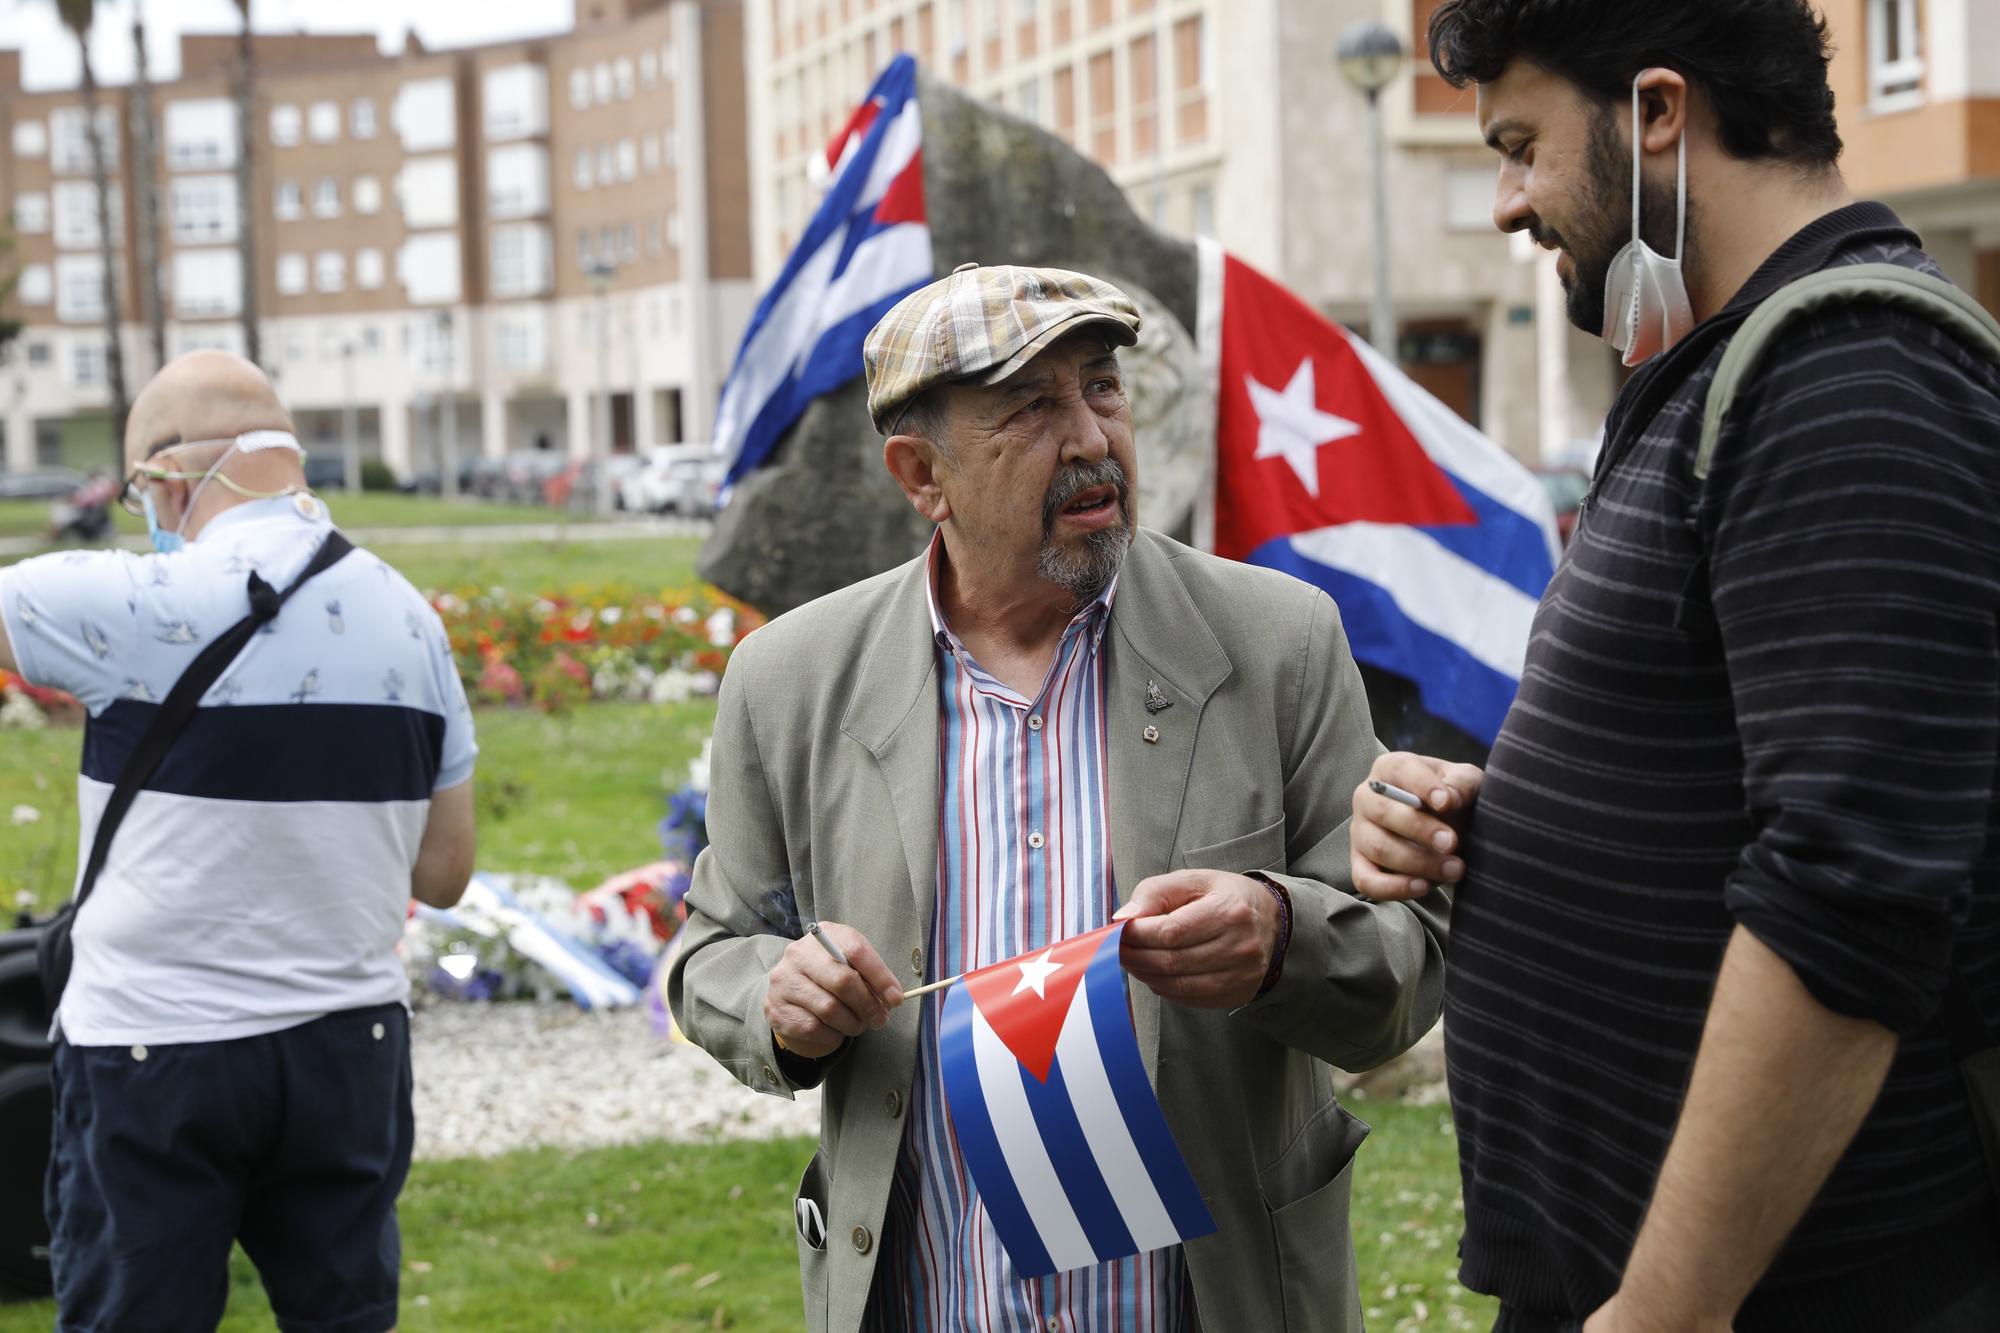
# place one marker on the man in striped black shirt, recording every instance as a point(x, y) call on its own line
point(1737, 833)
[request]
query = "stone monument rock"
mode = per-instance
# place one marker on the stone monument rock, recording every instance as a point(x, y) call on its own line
point(824, 513)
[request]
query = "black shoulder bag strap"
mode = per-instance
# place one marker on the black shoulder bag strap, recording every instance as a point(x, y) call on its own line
point(52, 951)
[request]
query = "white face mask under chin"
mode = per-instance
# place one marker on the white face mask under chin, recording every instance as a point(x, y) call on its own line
point(1646, 306)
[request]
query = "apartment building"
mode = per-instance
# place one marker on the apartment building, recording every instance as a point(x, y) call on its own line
point(1223, 118)
point(516, 243)
point(1918, 92)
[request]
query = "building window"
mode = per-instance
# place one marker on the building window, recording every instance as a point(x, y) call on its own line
point(628, 244)
point(368, 269)
point(580, 176)
point(207, 282)
point(38, 356)
point(79, 289)
point(326, 198)
point(204, 209)
point(607, 169)
point(31, 213)
point(628, 160)
point(330, 271)
point(520, 259)
point(607, 245)
point(1468, 198)
point(86, 365)
point(291, 274)
point(426, 115)
point(652, 238)
point(623, 76)
point(284, 126)
point(517, 180)
point(323, 122)
point(361, 118)
point(1030, 101)
point(600, 81)
point(514, 100)
point(579, 89)
point(76, 215)
point(1895, 55)
point(649, 153)
point(429, 269)
point(427, 188)
point(31, 138)
point(521, 340)
point(1202, 203)
point(287, 203)
point(201, 133)
point(367, 194)
point(37, 285)
point(69, 139)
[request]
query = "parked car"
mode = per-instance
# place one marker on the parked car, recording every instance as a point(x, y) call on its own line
point(46, 483)
point(326, 472)
point(525, 475)
point(677, 479)
point(576, 485)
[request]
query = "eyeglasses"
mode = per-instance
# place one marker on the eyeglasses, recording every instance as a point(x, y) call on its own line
point(131, 496)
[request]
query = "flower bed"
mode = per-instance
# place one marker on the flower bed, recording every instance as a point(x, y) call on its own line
point(25, 707)
point(552, 651)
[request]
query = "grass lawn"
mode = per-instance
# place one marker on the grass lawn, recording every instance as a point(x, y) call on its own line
point(660, 1237)
point(370, 509)
point(644, 564)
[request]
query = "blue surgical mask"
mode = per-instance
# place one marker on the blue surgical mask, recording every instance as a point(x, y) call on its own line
point(166, 543)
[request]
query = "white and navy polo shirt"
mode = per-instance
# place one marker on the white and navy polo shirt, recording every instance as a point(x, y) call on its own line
point(261, 878)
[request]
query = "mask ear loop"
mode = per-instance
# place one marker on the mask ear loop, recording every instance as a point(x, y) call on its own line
point(1681, 201)
point(207, 477)
point(1637, 153)
point(1680, 183)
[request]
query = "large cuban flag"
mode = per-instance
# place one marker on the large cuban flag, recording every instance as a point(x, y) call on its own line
point(1336, 467)
point(1054, 1115)
point(867, 247)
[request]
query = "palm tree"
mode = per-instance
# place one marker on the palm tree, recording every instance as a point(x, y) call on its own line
point(145, 178)
point(77, 16)
point(246, 213)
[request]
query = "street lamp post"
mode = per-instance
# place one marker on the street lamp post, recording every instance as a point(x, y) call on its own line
point(601, 270)
point(350, 445)
point(1370, 57)
point(448, 411)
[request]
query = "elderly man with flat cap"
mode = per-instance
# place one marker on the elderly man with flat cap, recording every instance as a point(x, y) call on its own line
point(1051, 717)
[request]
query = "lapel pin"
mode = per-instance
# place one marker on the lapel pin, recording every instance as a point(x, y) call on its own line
point(1152, 735)
point(1156, 699)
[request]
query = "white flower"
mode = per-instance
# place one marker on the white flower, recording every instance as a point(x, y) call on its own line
point(673, 686)
point(722, 627)
point(24, 814)
point(20, 713)
point(611, 615)
point(685, 615)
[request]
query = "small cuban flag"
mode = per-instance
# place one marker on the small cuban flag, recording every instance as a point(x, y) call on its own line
point(1054, 1115)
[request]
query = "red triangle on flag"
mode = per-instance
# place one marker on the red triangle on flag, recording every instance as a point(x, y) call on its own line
point(1305, 437)
point(1026, 999)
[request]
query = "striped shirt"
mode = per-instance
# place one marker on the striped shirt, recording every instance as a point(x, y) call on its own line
point(1024, 859)
point(261, 877)
point(1778, 709)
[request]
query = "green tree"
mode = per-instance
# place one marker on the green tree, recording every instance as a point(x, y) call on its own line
point(77, 16)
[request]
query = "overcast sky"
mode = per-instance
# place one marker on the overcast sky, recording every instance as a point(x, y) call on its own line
point(49, 55)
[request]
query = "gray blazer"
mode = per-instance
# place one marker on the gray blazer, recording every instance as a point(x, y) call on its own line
point(825, 786)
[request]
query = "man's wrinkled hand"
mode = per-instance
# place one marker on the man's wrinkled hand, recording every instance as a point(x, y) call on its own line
point(814, 1003)
point(1202, 938)
point(1398, 853)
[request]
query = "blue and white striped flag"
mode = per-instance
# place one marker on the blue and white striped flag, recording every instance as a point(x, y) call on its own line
point(1054, 1115)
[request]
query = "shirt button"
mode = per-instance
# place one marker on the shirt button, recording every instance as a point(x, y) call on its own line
point(1035, 839)
point(769, 1077)
point(379, 1030)
point(893, 1103)
point(1035, 722)
point(1054, 1325)
point(862, 1240)
point(138, 1052)
point(917, 963)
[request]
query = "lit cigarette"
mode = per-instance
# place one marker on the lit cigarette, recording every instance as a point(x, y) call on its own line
point(827, 944)
point(1395, 793)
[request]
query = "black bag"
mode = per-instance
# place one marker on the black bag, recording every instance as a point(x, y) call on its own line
point(52, 951)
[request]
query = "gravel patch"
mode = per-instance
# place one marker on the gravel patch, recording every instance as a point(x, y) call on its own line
point(494, 1078)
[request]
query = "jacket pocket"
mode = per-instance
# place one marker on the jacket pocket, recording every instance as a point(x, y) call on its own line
point(809, 1223)
point(1262, 850)
point(1306, 1192)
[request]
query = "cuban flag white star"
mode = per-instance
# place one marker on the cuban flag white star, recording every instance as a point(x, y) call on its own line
point(1292, 427)
point(1035, 974)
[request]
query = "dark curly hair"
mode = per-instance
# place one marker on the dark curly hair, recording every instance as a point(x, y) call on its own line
point(1761, 63)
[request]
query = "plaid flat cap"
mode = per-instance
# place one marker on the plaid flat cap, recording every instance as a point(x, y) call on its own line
point(981, 325)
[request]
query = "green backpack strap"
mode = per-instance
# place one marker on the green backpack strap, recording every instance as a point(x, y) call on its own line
point(1930, 299)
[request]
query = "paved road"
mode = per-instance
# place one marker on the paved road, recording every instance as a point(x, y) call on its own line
point(581, 531)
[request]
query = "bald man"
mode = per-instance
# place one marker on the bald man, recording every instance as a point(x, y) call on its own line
point(232, 1048)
